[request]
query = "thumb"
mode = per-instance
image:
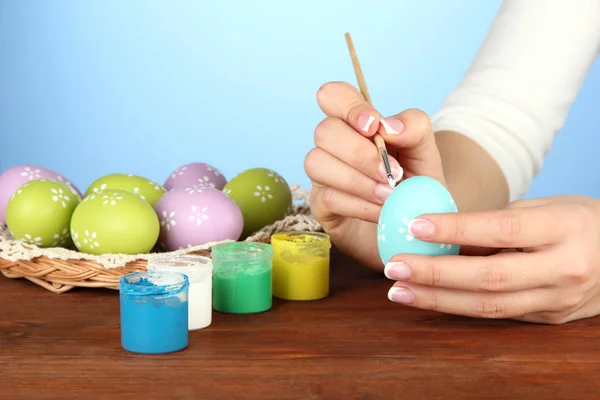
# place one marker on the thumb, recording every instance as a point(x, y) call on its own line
point(410, 137)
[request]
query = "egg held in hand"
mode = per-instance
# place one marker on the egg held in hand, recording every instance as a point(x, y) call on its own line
point(138, 185)
point(196, 216)
point(411, 198)
point(263, 196)
point(114, 221)
point(39, 213)
point(195, 174)
point(14, 177)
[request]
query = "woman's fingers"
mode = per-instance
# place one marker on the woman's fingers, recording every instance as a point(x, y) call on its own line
point(326, 170)
point(503, 272)
point(335, 137)
point(411, 134)
point(327, 202)
point(478, 305)
point(507, 228)
point(343, 101)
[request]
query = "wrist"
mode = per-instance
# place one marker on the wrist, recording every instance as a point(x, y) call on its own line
point(472, 176)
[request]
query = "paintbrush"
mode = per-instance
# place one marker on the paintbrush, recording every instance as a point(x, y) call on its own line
point(362, 85)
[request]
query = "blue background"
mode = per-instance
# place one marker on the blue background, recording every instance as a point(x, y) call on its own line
point(95, 87)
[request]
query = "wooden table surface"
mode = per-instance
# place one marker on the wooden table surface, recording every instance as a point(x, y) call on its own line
point(353, 345)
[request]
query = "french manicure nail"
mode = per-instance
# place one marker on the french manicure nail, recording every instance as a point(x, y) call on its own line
point(365, 121)
point(421, 228)
point(382, 191)
point(397, 271)
point(401, 295)
point(397, 170)
point(392, 126)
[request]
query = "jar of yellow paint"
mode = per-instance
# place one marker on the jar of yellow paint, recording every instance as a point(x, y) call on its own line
point(300, 265)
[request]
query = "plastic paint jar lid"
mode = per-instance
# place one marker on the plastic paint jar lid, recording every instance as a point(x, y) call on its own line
point(301, 265)
point(153, 284)
point(197, 268)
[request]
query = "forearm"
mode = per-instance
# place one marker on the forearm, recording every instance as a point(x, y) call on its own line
point(472, 175)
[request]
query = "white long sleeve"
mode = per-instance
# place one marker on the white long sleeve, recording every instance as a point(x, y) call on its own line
point(517, 92)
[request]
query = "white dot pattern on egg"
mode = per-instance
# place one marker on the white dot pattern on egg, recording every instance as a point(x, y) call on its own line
point(195, 216)
point(195, 174)
point(411, 198)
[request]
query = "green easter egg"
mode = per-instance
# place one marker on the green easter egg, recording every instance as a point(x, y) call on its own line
point(114, 221)
point(263, 196)
point(39, 213)
point(143, 187)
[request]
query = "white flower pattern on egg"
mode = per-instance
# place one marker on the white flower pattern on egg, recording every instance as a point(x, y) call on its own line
point(179, 171)
point(263, 193)
point(31, 173)
point(199, 215)
point(193, 190)
point(101, 188)
point(381, 234)
point(60, 238)
point(19, 191)
point(402, 230)
point(274, 175)
point(111, 199)
point(136, 190)
point(168, 220)
point(227, 191)
point(91, 239)
point(58, 195)
point(32, 240)
point(155, 185)
point(206, 182)
point(213, 170)
point(75, 237)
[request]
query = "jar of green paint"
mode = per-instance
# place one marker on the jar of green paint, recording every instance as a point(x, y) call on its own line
point(242, 277)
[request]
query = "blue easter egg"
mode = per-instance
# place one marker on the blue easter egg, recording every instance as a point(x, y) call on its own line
point(413, 197)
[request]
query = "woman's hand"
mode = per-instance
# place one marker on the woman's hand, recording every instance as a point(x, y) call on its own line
point(554, 277)
point(349, 182)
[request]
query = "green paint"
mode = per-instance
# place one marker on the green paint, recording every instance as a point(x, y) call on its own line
point(243, 293)
point(242, 278)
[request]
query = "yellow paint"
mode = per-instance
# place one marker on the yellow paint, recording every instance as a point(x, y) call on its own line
point(300, 265)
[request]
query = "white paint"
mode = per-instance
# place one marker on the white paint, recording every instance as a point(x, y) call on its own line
point(198, 269)
point(200, 303)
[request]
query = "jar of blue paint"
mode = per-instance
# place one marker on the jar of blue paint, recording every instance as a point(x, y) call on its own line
point(154, 312)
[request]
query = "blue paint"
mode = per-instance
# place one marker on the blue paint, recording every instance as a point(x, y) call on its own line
point(154, 312)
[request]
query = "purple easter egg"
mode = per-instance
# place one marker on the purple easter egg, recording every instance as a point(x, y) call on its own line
point(192, 174)
point(14, 177)
point(196, 216)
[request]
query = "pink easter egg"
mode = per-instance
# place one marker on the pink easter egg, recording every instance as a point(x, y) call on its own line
point(196, 216)
point(195, 174)
point(14, 177)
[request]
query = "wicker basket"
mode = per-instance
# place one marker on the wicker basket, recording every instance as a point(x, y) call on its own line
point(60, 270)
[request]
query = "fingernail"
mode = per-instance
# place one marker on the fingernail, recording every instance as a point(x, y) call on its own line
point(397, 271)
point(365, 121)
point(382, 191)
point(401, 295)
point(397, 170)
point(421, 228)
point(392, 126)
